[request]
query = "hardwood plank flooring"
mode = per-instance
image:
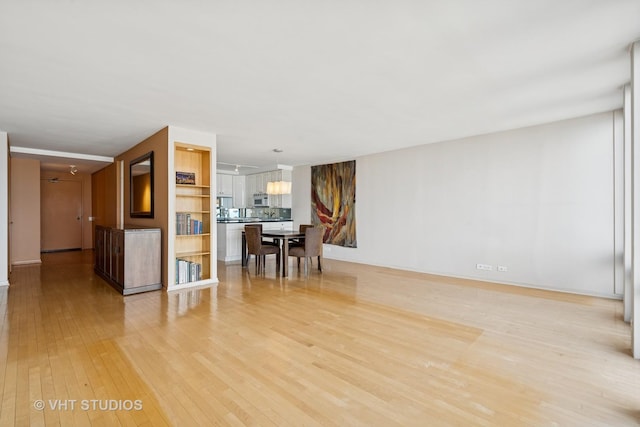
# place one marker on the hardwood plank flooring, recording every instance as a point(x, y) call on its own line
point(354, 346)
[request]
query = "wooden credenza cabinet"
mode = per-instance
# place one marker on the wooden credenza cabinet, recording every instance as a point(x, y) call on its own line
point(129, 258)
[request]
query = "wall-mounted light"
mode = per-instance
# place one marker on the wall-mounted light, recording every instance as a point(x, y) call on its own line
point(73, 170)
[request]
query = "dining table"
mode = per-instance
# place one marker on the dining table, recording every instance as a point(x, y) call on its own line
point(282, 238)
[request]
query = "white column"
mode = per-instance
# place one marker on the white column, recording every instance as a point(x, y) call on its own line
point(628, 236)
point(618, 200)
point(635, 209)
point(4, 209)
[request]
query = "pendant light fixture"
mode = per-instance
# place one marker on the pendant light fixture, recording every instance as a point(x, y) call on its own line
point(278, 187)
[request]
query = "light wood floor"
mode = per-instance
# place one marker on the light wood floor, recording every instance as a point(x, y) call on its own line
point(356, 345)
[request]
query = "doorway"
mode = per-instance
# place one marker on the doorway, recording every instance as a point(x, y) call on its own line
point(60, 215)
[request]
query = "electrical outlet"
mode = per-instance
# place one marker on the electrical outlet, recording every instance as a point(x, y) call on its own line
point(502, 268)
point(486, 267)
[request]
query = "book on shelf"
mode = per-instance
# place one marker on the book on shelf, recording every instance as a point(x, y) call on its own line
point(187, 271)
point(185, 225)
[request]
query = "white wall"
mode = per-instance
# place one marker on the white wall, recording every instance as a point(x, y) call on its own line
point(4, 209)
point(301, 196)
point(618, 206)
point(538, 200)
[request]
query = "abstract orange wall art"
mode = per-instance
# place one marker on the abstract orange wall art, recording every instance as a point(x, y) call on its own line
point(333, 200)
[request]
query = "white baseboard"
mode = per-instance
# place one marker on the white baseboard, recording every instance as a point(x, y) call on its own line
point(191, 285)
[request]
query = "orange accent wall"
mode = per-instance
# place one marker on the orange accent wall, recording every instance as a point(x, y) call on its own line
point(104, 201)
point(159, 144)
point(25, 211)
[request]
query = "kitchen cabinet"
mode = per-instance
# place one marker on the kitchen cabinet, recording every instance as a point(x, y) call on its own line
point(250, 190)
point(239, 192)
point(257, 183)
point(279, 200)
point(224, 185)
point(229, 239)
point(286, 198)
point(261, 183)
point(128, 258)
point(229, 242)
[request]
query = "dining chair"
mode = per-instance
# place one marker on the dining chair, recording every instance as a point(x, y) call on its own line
point(300, 242)
point(274, 242)
point(259, 249)
point(312, 247)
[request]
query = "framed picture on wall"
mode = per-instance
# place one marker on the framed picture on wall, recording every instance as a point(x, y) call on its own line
point(185, 178)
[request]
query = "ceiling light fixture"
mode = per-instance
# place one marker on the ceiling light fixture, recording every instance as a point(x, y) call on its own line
point(72, 169)
point(278, 187)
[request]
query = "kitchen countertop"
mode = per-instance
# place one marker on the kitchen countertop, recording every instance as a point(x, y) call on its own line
point(249, 220)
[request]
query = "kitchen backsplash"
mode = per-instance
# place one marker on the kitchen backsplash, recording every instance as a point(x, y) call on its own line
point(262, 213)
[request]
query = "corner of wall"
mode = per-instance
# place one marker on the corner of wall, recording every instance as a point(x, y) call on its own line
point(4, 210)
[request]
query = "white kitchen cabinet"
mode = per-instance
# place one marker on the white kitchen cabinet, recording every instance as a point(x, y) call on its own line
point(285, 201)
point(279, 200)
point(239, 191)
point(261, 183)
point(274, 199)
point(282, 225)
point(230, 242)
point(250, 189)
point(230, 238)
point(224, 185)
point(257, 183)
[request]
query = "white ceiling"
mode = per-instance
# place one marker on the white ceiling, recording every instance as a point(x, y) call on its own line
point(323, 80)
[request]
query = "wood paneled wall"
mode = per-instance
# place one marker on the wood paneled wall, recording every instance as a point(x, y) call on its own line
point(158, 143)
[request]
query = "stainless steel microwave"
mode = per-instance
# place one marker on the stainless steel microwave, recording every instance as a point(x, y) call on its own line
point(261, 200)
